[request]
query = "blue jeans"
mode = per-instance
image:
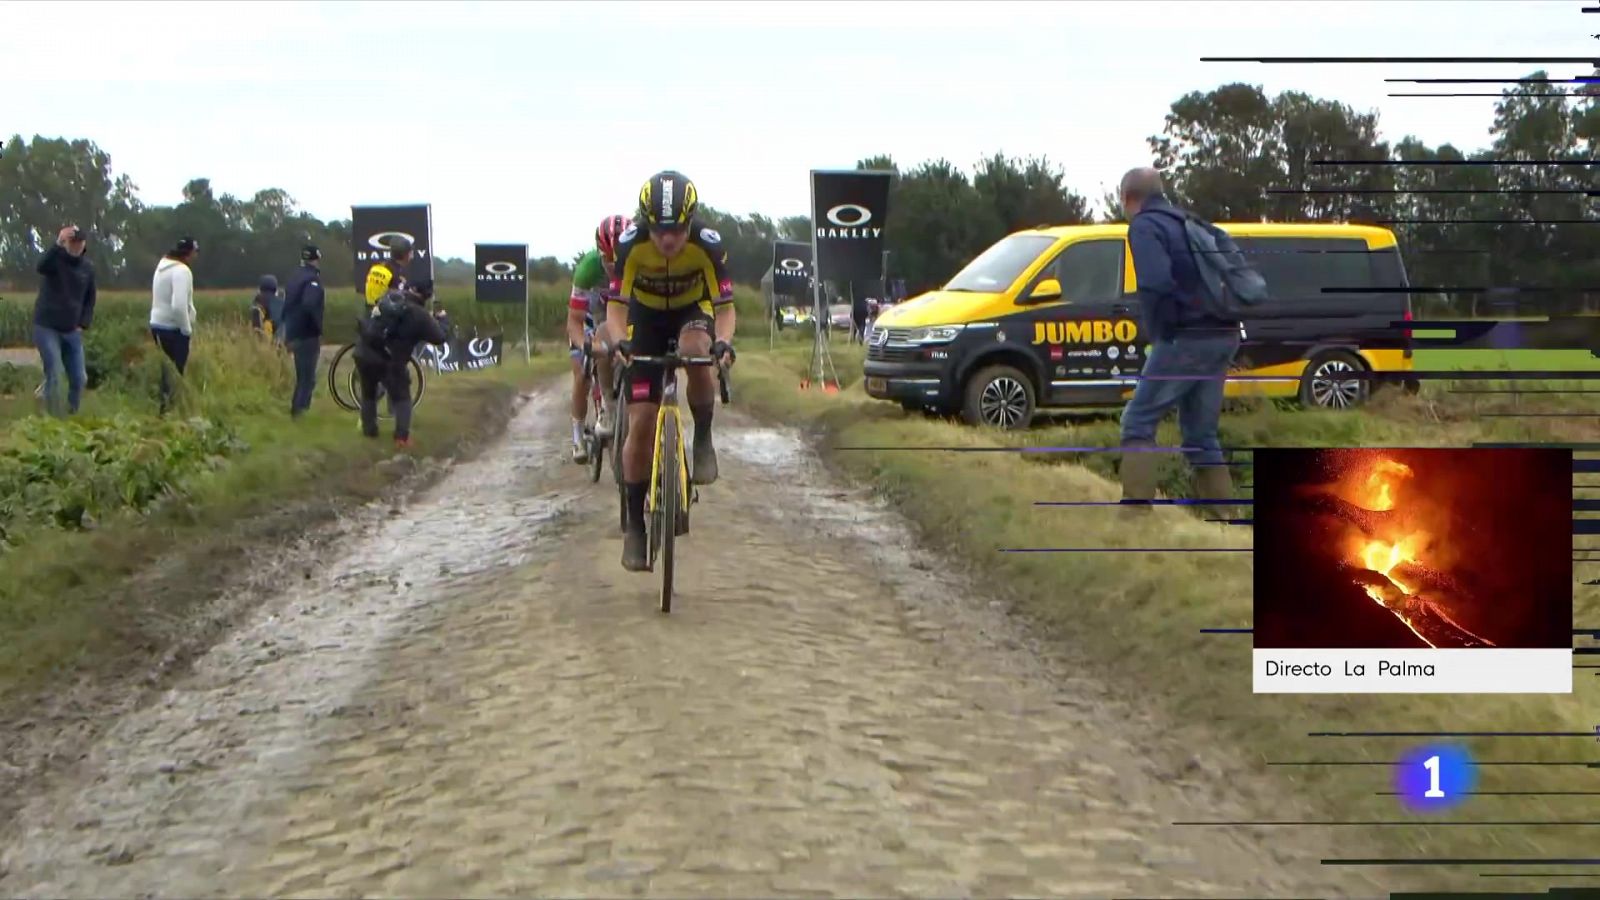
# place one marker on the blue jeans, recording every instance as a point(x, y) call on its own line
point(61, 349)
point(306, 352)
point(1191, 371)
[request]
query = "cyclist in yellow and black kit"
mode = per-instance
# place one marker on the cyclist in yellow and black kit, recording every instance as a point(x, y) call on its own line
point(671, 281)
point(390, 274)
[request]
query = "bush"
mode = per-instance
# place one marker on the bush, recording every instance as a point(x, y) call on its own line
point(68, 474)
point(16, 380)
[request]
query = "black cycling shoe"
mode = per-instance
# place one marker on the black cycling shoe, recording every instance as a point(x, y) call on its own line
point(705, 463)
point(633, 551)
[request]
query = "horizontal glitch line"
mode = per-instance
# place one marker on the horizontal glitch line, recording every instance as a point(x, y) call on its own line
point(1430, 191)
point(1227, 630)
point(1506, 793)
point(1484, 94)
point(1278, 60)
point(1566, 762)
point(1126, 550)
point(1463, 861)
point(1585, 734)
point(1144, 502)
point(1415, 823)
point(1488, 221)
point(1455, 162)
point(1489, 80)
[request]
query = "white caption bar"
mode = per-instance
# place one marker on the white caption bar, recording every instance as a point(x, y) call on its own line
point(1425, 671)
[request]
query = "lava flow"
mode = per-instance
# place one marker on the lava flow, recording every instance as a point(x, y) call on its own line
point(1424, 616)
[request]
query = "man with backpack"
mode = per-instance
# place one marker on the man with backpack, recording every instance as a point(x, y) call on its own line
point(397, 323)
point(1193, 288)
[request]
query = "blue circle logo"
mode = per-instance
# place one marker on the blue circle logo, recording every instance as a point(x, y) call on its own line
point(1434, 778)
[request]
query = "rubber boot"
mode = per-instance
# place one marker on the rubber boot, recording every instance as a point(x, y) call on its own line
point(1214, 483)
point(1139, 473)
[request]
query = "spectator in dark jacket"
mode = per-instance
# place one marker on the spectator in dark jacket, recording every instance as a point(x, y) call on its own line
point(65, 307)
point(1190, 352)
point(302, 326)
point(384, 351)
point(261, 317)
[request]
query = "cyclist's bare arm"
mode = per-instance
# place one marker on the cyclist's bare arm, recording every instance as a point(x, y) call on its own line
point(575, 327)
point(723, 318)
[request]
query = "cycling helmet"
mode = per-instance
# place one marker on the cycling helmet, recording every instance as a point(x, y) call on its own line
point(668, 199)
point(605, 237)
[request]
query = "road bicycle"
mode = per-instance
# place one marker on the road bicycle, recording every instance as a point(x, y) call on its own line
point(344, 382)
point(670, 493)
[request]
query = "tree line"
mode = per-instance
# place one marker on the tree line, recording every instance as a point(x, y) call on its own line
point(1515, 214)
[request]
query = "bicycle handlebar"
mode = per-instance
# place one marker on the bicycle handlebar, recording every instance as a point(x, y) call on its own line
point(675, 361)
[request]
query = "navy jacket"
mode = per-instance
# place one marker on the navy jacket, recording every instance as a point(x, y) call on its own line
point(66, 291)
point(1170, 285)
point(303, 304)
point(417, 326)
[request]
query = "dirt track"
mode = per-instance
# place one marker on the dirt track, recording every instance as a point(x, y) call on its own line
point(475, 700)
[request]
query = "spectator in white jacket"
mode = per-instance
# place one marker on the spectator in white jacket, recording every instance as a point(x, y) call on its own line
point(172, 313)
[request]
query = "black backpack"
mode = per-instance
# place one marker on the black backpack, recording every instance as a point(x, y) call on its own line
point(1232, 285)
point(384, 321)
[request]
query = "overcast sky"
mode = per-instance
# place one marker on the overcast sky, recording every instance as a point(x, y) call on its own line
point(524, 121)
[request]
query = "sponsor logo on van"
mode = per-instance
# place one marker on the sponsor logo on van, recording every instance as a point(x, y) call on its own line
point(1085, 331)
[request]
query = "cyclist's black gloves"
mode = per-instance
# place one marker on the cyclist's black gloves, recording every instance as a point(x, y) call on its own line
point(623, 348)
point(721, 348)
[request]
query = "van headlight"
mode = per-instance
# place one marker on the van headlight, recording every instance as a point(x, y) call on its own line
point(938, 334)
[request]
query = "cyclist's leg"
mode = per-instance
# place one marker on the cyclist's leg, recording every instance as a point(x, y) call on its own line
point(602, 366)
point(648, 336)
point(580, 405)
point(694, 339)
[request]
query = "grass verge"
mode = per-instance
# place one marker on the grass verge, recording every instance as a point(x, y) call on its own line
point(1138, 617)
point(95, 602)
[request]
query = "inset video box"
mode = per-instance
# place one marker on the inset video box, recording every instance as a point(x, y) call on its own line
point(1427, 570)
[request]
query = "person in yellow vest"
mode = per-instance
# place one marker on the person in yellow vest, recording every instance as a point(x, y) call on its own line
point(261, 307)
point(389, 275)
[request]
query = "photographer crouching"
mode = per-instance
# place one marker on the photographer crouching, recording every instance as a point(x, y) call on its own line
point(399, 321)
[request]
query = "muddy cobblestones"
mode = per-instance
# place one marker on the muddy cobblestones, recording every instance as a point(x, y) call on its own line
point(477, 701)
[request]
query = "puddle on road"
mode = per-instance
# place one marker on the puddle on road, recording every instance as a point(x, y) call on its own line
point(240, 721)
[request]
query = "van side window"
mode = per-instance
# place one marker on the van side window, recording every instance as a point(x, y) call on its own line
point(1298, 269)
point(1091, 271)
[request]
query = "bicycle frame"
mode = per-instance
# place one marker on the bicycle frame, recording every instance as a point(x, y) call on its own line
point(668, 409)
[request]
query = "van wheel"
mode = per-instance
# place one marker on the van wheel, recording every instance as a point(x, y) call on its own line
point(1326, 385)
point(911, 408)
point(999, 397)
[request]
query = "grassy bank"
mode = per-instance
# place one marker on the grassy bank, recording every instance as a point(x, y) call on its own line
point(207, 491)
point(1138, 617)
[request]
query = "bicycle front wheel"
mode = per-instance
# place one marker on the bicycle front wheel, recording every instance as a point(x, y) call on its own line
point(668, 506)
point(345, 390)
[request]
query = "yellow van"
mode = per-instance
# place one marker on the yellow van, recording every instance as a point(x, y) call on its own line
point(1049, 318)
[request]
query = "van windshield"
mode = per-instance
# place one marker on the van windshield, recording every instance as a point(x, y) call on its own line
point(997, 267)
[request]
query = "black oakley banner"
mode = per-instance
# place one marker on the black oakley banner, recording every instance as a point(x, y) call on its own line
point(372, 228)
point(502, 273)
point(791, 269)
point(848, 212)
point(468, 353)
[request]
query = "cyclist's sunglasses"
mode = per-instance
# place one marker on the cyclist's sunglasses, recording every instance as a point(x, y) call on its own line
point(674, 230)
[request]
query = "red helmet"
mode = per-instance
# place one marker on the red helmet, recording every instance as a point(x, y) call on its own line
point(605, 237)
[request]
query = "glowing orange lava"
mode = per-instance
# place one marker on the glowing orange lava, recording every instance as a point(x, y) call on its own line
point(1382, 483)
point(1382, 558)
